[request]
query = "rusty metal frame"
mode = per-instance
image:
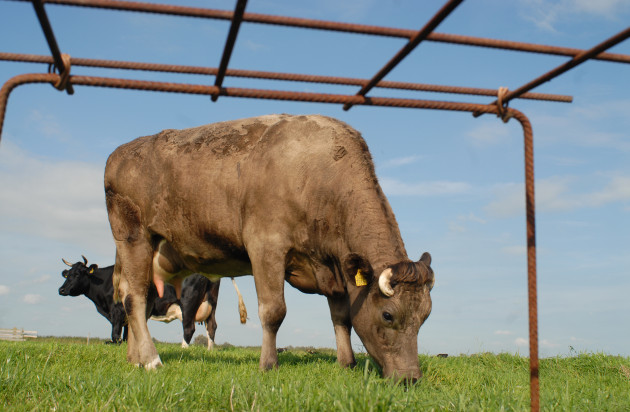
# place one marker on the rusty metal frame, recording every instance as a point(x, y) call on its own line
point(498, 107)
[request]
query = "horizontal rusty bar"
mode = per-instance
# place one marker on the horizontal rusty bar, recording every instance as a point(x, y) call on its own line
point(308, 78)
point(333, 26)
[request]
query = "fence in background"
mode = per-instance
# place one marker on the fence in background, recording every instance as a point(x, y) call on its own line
point(17, 335)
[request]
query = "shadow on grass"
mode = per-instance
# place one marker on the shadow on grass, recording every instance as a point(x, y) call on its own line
point(243, 355)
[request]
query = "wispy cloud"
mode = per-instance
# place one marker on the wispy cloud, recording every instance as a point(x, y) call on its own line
point(547, 14)
point(560, 193)
point(47, 125)
point(55, 199)
point(503, 332)
point(393, 187)
point(32, 298)
point(489, 134)
point(4, 290)
point(521, 342)
point(516, 250)
point(401, 161)
point(460, 225)
point(41, 279)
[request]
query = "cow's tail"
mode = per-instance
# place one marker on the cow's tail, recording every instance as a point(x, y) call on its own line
point(116, 282)
point(242, 310)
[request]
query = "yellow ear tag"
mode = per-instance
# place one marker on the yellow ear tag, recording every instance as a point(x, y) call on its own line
point(359, 279)
point(91, 271)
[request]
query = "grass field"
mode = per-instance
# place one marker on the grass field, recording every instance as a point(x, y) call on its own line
point(67, 374)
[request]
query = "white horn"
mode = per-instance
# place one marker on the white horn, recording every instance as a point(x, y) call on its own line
point(383, 282)
point(64, 261)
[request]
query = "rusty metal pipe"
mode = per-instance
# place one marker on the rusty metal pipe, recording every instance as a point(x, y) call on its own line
point(16, 81)
point(421, 35)
point(212, 71)
point(50, 38)
point(229, 44)
point(580, 58)
point(333, 26)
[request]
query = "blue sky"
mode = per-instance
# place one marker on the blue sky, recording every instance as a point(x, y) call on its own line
point(454, 182)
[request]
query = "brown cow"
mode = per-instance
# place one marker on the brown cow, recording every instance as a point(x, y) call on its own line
point(281, 197)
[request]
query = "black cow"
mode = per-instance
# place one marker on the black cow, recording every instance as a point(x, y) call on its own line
point(96, 284)
point(197, 304)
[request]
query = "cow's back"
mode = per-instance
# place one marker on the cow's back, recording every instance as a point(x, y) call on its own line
point(201, 181)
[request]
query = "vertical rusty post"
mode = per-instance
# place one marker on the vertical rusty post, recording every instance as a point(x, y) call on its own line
point(530, 212)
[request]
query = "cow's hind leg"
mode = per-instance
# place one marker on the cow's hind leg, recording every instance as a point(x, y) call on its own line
point(340, 315)
point(134, 289)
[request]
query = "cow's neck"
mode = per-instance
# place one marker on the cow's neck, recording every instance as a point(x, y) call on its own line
point(95, 287)
point(371, 229)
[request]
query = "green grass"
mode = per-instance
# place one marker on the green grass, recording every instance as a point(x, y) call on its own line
point(66, 374)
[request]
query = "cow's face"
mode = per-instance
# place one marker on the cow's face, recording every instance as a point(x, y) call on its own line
point(387, 314)
point(77, 278)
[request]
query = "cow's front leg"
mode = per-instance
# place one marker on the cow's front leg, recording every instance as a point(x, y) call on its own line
point(340, 315)
point(118, 320)
point(134, 290)
point(268, 270)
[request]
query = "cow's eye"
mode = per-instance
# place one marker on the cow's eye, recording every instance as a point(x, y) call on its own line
point(388, 317)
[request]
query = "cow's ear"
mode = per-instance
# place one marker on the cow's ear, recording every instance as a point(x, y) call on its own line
point(429, 278)
point(92, 268)
point(357, 270)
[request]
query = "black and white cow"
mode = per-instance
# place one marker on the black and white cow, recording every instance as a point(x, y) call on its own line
point(197, 304)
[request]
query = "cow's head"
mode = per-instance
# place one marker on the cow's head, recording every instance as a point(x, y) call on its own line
point(388, 309)
point(77, 278)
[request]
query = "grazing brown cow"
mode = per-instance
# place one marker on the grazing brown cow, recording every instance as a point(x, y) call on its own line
point(281, 197)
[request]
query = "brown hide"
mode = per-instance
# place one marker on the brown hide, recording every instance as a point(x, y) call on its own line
point(280, 197)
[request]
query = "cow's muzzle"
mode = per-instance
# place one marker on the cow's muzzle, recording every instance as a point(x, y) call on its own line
point(404, 376)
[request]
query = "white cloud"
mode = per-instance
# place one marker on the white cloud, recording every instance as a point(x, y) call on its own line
point(393, 187)
point(41, 279)
point(59, 200)
point(547, 14)
point(521, 342)
point(4, 290)
point(560, 194)
point(489, 133)
point(517, 250)
point(545, 343)
point(32, 299)
point(503, 332)
point(401, 161)
point(47, 125)
point(459, 226)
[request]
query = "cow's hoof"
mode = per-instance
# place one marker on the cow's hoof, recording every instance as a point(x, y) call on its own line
point(154, 364)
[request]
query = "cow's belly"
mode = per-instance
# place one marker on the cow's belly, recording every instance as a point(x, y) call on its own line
point(173, 312)
point(203, 312)
point(169, 266)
